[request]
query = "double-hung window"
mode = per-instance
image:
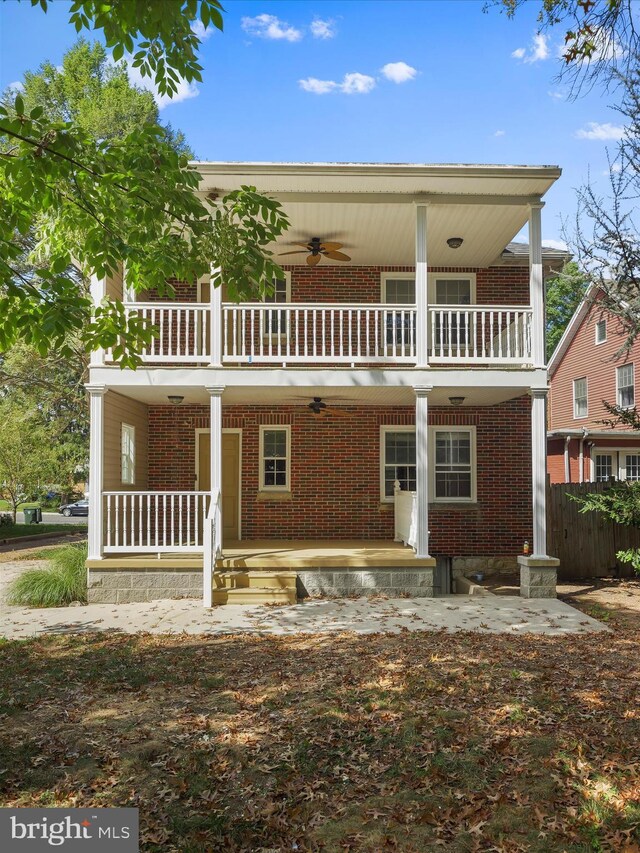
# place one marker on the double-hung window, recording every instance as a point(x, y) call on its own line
point(398, 459)
point(453, 462)
point(128, 454)
point(452, 329)
point(400, 324)
point(275, 321)
point(631, 466)
point(580, 398)
point(626, 395)
point(603, 467)
point(275, 458)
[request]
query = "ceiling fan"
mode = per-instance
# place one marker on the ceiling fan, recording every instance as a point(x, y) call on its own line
point(322, 410)
point(317, 248)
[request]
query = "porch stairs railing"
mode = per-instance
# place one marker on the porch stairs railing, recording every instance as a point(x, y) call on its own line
point(212, 546)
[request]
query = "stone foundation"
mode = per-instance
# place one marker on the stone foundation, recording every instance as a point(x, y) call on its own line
point(414, 582)
point(123, 586)
point(538, 577)
point(466, 566)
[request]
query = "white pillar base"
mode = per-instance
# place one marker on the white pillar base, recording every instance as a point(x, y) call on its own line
point(538, 576)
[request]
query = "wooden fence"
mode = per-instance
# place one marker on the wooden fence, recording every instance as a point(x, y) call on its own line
point(585, 543)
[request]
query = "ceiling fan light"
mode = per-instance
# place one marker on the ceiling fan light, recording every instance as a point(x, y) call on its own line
point(455, 242)
point(456, 401)
point(176, 399)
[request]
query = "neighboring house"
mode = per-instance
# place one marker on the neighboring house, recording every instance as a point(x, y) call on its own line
point(395, 396)
point(585, 370)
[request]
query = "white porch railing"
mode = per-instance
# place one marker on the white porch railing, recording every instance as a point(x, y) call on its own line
point(212, 545)
point(155, 522)
point(476, 334)
point(184, 331)
point(405, 516)
point(337, 333)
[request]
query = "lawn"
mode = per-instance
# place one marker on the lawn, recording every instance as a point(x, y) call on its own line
point(13, 531)
point(410, 742)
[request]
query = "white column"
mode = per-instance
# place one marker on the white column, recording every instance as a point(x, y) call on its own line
point(539, 472)
point(536, 284)
point(422, 469)
point(215, 426)
point(422, 278)
point(98, 290)
point(215, 322)
point(96, 469)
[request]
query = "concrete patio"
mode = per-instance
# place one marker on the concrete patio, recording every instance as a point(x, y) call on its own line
point(483, 614)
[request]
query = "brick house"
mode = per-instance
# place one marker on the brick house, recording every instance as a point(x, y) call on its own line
point(584, 371)
point(373, 423)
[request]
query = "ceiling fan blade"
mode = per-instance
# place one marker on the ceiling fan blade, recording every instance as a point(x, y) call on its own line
point(295, 252)
point(337, 256)
point(295, 243)
point(312, 260)
point(331, 247)
point(332, 410)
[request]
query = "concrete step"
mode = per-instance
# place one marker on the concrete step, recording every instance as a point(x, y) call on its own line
point(254, 595)
point(255, 580)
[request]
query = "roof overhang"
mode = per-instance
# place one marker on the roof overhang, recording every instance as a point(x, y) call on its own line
point(619, 435)
point(370, 207)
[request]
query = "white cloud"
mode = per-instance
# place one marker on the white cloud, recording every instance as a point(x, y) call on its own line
point(321, 29)
point(16, 86)
point(398, 72)
point(199, 29)
point(615, 169)
point(499, 133)
point(184, 93)
point(538, 51)
point(555, 244)
point(557, 96)
point(353, 83)
point(269, 27)
point(603, 132)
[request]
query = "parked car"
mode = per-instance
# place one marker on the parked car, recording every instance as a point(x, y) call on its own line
point(78, 508)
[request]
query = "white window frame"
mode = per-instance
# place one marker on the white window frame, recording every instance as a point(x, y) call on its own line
point(394, 276)
point(473, 464)
point(385, 428)
point(597, 325)
point(432, 456)
point(604, 451)
point(127, 454)
point(622, 470)
point(576, 416)
point(451, 276)
point(633, 385)
point(268, 428)
point(263, 317)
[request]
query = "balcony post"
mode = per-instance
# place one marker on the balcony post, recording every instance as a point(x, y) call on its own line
point(536, 284)
point(215, 427)
point(98, 290)
point(96, 469)
point(422, 279)
point(215, 325)
point(422, 469)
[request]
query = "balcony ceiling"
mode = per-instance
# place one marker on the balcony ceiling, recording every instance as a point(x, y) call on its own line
point(370, 208)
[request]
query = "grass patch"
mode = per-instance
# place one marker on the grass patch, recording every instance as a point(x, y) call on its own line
point(60, 583)
point(15, 531)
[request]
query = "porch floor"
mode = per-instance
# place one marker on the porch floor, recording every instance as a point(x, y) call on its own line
point(269, 554)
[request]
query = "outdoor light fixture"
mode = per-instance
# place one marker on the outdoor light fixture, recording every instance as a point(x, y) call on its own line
point(456, 401)
point(176, 399)
point(454, 242)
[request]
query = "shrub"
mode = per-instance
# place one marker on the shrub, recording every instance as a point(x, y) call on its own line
point(60, 583)
point(6, 519)
point(631, 556)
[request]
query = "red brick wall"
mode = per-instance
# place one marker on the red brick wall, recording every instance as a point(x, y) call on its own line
point(335, 474)
point(555, 455)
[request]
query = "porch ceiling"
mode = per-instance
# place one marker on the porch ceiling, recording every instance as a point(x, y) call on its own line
point(370, 208)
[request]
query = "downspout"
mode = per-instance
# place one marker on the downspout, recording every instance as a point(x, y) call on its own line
point(567, 467)
point(592, 472)
point(585, 433)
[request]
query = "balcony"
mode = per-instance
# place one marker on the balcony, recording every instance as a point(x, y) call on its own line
point(336, 334)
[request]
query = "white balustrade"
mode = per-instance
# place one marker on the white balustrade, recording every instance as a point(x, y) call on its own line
point(291, 333)
point(476, 334)
point(154, 522)
point(405, 516)
point(183, 331)
point(212, 545)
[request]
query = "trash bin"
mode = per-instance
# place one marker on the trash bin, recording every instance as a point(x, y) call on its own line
point(32, 515)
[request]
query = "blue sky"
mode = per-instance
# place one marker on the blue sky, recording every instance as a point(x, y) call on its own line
point(370, 80)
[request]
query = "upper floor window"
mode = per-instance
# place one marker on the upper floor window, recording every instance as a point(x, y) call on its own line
point(275, 322)
point(128, 454)
point(275, 458)
point(624, 376)
point(580, 398)
point(601, 331)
